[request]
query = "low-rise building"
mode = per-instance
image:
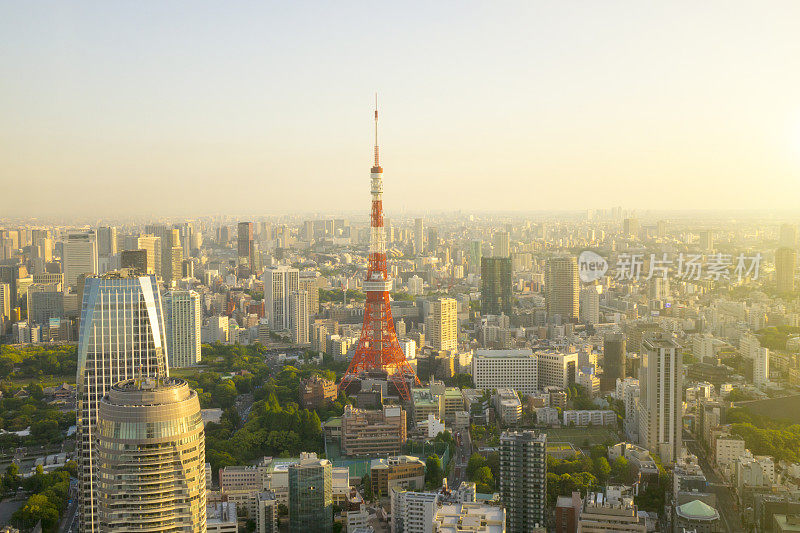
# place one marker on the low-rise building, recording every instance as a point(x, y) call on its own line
point(373, 432)
point(221, 518)
point(470, 517)
point(403, 471)
point(316, 391)
point(507, 406)
point(605, 417)
point(612, 511)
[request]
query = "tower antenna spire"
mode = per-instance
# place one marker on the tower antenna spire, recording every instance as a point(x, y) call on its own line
point(376, 131)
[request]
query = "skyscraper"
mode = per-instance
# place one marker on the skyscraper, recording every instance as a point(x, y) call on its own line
point(444, 324)
point(173, 261)
point(244, 241)
point(135, 259)
point(152, 244)
point(279, 283)
point(106, 241)
point(561, 288)
point(121, 337)
point(502, 244)
point(660, 396)
point(523, 479)
point(589, 305)
point(785, 264)
point(311, 495)
point(474, 256)
point(496, 285)
point(419, 236)
point(183, 319)
point(630, 227)
point(787, 237)
point(613, 360)
point(79, 256)
point(760, 366)
point(298, 309)
point(151, 458)
point(706, 240)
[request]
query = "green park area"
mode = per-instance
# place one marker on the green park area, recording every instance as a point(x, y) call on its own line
point(582, 437)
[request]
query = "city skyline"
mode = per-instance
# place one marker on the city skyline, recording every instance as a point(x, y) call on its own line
point(570, 108)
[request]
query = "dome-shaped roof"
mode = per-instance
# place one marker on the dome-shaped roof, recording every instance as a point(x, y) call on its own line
point(697, 510)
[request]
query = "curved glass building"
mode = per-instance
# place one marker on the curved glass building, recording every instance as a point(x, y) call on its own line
point(150, 458)
point(121, 337)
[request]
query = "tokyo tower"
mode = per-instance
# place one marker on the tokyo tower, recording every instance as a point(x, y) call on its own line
point(378, 348)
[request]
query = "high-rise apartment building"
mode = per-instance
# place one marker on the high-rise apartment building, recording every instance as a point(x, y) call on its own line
point(311, 494)
point(785, 265)
point(707, 240)
point(151, 467)
point(183, 318)
point(523, 479)
point(630, 227)
point(79, 256)
point(5, 304)
point(413, 512)
point(660, 396)
point(298, 309)
point(279, 283)
point(502, 244)
point(444, 324)
point(311, 286)
point(496, 286)
point(244, 241)
point(121, 337)
point(561, 288)
point(760, 366)
point(419, 236)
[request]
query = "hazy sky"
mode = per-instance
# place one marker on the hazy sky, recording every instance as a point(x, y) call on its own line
point(250, 108)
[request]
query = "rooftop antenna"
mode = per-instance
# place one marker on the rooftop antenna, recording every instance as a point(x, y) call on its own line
point(377, 165)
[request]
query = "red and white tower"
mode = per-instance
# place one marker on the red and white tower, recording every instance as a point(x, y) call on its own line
point(378, 348)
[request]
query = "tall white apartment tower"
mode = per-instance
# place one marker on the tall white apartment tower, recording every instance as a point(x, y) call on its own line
point(444, 324)
point(760, 366)
point(183, 319)
point(298, 309)
point(660, 396)
point(121, 337)
point(502, 244)
point(106, 241)
point(79, 256)
point(279, 282)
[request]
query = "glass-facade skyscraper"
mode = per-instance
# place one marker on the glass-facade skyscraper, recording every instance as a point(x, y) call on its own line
point(496, 286)
point(121, 337)
point(311, 495)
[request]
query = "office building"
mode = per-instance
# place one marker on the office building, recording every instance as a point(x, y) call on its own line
point(371, 432)
point(706, 240)
point(444, 324)
point(311, 495)
point(630, 227)
point(474, 254)
point(121, 337)
point(244, 241)
point(311, 285)
point(613, 360)
point(612, 511)
point(523, 479)
point(172, 257)
point(79, 255)
point(403, 471)
point(5, 304)
point(106, 241)
point(589, 306)
point(298, 311)
point(45, 301)
point(135, 259)
point(151, 244)
point(151, 429)
point(496, 286)
point(502, 244)
point(761, 367)
point(183, 322)
point(279, 283)
point(497, 369)
point(561, 289)
point(785, 265)
point(419, 236)
point(557, 369)
point(660, 396)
